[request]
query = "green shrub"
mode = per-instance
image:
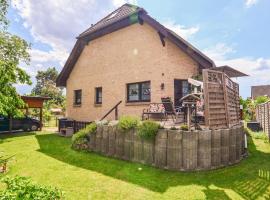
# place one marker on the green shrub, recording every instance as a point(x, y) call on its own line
point(81, 138)
point(148, 129)
point(173, 128)
point(184, 127)
point(22, 188)
point(128, 122)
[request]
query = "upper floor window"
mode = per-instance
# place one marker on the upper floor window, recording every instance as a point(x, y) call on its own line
point(139, 92)
point(77, 97)
point(98, 99)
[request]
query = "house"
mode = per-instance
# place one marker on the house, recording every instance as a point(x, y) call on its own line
point(260, 90)
point(128, 56)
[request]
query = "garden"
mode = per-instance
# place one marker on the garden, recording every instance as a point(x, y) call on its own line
point(71, 174)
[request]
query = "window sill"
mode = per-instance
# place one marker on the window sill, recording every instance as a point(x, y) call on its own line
point(97, 104)
point(137, 103)
point(77, 105)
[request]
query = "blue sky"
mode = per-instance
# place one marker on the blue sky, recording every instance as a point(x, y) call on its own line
point(231, 32)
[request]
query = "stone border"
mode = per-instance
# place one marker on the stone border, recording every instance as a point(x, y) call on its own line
point(172, 149)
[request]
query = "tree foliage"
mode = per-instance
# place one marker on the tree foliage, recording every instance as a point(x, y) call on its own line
point(46, 86)
point(13, 51)
point(3, 12)
point(249, 106)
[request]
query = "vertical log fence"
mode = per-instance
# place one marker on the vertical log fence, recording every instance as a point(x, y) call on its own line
point(172, 149)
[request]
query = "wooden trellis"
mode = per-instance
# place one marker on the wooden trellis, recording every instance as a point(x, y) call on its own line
point(221, 95)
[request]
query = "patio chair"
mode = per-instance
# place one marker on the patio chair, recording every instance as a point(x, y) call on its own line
point(170, 110)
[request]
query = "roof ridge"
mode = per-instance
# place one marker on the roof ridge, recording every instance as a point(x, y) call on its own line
point(114, 11)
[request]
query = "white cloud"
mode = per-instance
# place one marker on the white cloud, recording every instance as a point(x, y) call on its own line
point(121, 2)
point(56, 23)
point(258, 69)
point(40, 56)
point(250, 3)
point(181, 30)
point(219, 51)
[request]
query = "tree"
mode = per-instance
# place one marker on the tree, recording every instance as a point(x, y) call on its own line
point(46, 86)
point(13, 51)
point(249, 106)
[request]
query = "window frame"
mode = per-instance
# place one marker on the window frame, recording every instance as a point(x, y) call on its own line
point(97, 95)
point(75, 97)
point(140, 92)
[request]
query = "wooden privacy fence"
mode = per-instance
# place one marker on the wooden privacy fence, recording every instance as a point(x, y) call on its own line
point(172, 149)
point(221, 96)
point(263, 116)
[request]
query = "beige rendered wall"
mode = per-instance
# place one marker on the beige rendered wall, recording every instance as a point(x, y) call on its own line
point(131, 54)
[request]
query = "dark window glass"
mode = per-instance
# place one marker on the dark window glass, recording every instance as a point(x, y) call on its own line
point(98, 95)
point(137, 92)
point(77, 97)
point(185, 88)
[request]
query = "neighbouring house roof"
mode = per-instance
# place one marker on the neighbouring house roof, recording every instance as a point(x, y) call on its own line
point(231, 72)
point(260, 90)
point(122, 17)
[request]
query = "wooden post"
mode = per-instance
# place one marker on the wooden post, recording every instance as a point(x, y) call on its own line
point(188, 116)
point(40, 118)
point(226, 100)
point(206, 97)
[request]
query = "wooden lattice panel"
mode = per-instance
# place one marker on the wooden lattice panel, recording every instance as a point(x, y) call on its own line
point(221, 94)
point(263, 116)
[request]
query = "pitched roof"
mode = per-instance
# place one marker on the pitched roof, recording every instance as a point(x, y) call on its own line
point(118, 14)
point(260, 90)
point(122, 17)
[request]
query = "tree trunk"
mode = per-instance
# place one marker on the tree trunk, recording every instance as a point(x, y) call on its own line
point(10, 124)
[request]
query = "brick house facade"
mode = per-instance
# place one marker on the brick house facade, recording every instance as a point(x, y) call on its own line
point(127, 56)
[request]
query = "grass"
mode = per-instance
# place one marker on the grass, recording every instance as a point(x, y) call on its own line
point(48, 159)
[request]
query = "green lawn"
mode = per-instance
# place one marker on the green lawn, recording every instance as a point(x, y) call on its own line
point(48, 159)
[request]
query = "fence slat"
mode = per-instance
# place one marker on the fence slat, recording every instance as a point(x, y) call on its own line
point(112, 140)
point(120, 138)
point(161, 148)
point(148, 151)
point(216, 148)
point(225, 135)
point(190, 142)
point(232, 147)
point(174, 150)
point(98, 138)
point(105, 140)
point(204, 149)
point(129, 145)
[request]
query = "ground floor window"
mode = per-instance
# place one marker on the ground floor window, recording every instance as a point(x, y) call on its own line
point(77, 97)
point(98, 99)
point(140, 91)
